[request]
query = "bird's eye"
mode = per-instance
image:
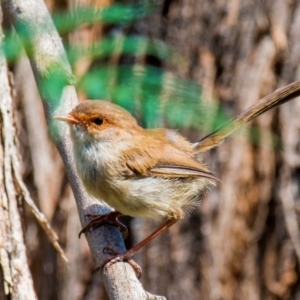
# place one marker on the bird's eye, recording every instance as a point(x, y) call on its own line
point(98, 121)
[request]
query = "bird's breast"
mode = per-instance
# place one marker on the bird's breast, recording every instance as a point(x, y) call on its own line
point(97, 165)
point(101, 171)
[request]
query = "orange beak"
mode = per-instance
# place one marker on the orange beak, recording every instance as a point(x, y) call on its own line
point(69, 119)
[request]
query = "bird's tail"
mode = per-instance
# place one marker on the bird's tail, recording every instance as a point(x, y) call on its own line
point(277, 98)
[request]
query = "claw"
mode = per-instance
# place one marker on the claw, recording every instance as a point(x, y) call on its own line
point(98, 220)
point(118, 257)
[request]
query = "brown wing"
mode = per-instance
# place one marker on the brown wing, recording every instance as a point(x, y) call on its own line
point(169, 162)
point(180, 171)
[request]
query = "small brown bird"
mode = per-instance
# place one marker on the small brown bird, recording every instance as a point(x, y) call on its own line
point(153, 173)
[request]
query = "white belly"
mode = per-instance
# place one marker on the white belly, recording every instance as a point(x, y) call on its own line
point(152, 197)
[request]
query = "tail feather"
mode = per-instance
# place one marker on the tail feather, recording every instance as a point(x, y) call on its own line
point(280, 96)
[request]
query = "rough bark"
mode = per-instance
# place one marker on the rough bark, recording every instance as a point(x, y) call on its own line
point(16, 280)
point(243, 241)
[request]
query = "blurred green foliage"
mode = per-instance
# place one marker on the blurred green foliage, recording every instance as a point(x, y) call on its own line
point(155, 96)
point(117, 14)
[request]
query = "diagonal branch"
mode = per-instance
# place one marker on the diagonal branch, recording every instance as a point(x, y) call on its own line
point(54, 78)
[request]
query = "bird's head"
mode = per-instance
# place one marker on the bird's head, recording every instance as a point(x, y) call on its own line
point(99, 120)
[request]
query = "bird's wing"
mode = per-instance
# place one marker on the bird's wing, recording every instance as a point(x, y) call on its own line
point(180, 171)
point(170, 162)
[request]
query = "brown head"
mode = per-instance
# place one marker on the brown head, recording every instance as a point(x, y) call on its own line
point(101, 120)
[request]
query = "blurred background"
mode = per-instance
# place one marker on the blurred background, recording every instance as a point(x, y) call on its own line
point(189, 65)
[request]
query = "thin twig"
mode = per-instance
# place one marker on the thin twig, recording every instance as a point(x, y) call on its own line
point(34, 209)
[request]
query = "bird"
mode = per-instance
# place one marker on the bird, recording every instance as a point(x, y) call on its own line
point(153, 173)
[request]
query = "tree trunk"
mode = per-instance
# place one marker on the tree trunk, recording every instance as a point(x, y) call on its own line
point(16, 280)
point(243, 241)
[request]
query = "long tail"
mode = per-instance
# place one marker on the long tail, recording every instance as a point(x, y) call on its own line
point(277, 98)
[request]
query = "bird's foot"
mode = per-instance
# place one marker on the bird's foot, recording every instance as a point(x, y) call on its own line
point(118, 257)
point(98, 220)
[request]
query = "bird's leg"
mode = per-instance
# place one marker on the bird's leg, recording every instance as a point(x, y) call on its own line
point(98, 220)
point(127, 256)
point(108, 250)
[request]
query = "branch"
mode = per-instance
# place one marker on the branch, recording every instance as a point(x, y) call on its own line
point(54, 78)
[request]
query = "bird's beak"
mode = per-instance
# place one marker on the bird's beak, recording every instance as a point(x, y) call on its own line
point(69, 119)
